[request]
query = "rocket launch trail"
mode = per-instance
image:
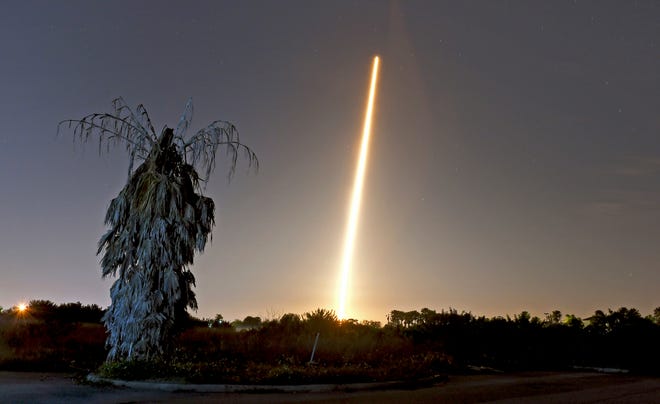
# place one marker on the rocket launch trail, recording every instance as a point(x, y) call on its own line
point(356, 198)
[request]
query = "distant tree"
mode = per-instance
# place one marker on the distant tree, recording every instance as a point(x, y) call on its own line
point(523, 318)
point(598, 323)
point(157, 222)
point(290, 318)
point(78, 312)
point(553, 318)
point(371, 324)
point(321, 320)
point(428, 317)
point(624, 318)
point(573, 321)
point(291, 322)
point(252, 322)
point(248, 323)
point(411, 318)
point(42, 308)
point(396, 318)
point(217, 321)
point(321, 314)
point(656, 316)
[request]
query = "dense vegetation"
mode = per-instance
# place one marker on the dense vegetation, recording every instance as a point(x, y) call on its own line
point(414, 344)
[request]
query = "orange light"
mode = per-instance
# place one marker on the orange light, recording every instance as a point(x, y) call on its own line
point(21, 307)
point(351, 227)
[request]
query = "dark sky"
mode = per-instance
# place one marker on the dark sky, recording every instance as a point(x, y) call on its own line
point(514, 163)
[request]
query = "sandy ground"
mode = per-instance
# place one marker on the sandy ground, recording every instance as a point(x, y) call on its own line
point(513, 388)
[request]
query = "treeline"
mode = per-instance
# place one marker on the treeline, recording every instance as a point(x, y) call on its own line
point(46, 334)
point(65, 312)
point(621, 339)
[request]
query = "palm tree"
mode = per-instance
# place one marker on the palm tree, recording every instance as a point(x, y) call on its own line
point(156, 223)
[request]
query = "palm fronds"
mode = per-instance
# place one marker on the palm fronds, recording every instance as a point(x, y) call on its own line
point(135, 131)
point(156, 223)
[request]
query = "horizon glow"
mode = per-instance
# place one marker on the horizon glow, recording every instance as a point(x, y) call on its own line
point(356, 199)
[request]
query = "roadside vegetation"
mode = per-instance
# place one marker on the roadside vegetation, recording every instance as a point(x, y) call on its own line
point(412, 345)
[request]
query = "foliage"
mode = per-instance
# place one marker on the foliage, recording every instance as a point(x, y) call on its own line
point(248, 323)
point(40, 345)
point(655, 317)
point(279, 350)
point(157, 222)
point(66, 312)
point(621, 338)
point(218, 321)
point(321, 320)
point(234, 372)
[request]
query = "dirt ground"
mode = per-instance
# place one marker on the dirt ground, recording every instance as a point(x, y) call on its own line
point(511, 388)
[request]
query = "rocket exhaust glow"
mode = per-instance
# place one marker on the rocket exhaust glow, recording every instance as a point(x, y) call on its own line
point(351, 226)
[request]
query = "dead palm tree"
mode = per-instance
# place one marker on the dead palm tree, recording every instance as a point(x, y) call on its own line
point(156, 223)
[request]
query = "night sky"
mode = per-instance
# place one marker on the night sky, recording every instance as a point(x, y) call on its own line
point(514, 163)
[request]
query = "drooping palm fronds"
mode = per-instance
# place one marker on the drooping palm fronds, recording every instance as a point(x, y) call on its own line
point(156, 223)
point(135, 131)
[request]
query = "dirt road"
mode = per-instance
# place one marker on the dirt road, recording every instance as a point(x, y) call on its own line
point(519, 388)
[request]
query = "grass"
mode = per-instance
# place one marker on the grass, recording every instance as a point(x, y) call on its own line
point(250, 372)
point(276, 353)
point(279, 353)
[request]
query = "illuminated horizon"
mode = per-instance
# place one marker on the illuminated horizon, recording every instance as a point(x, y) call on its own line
point(356, 199)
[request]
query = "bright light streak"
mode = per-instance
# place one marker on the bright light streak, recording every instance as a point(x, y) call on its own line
point(351, 226)
point(22, 307)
